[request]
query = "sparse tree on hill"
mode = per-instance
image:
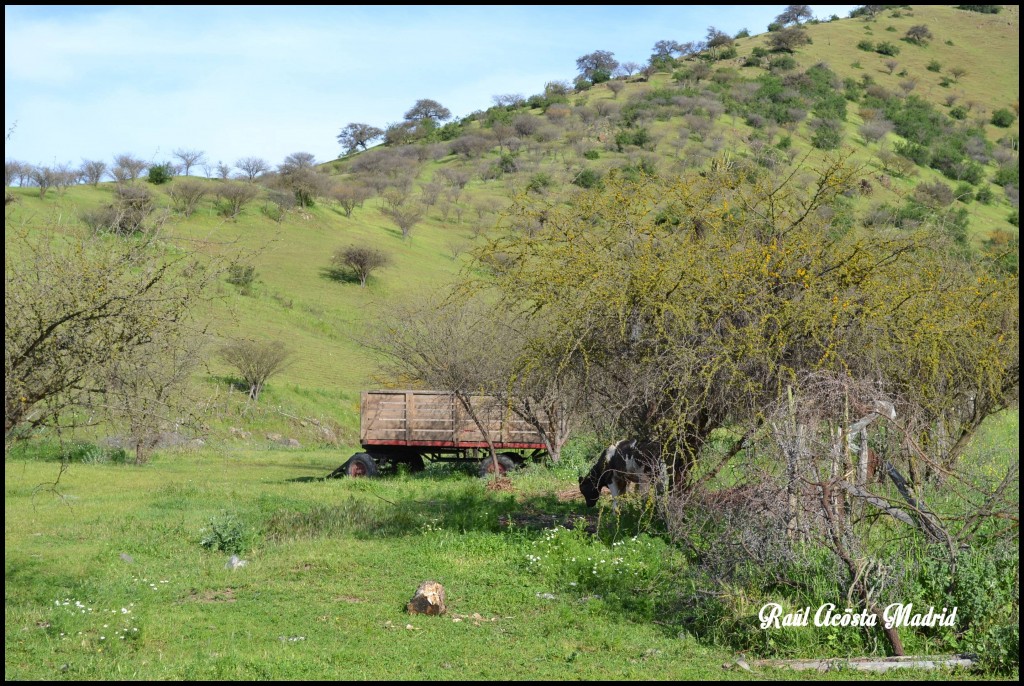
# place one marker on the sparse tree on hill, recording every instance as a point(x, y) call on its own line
point(629, 68)
point(361, 260)
point(223, 171)
point(405, 217)
point(428, 109)
point(350, 195)
point(297, 161)
point(509, 100)
point(186, 195)
point(256, 362)
point(616, 87)
point(788, 39)
point(667, 48)
point(794, 14)
point(597, 66)
point(235, 197)
point(93, 171)
point(715, 40)
point(127, 168)
point(44, 178)
point(919, 34)
point(189, 158)
point(252, 167)
point(357, 135)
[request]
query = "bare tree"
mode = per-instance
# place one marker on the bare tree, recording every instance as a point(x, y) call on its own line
point(235, 196)
point(509, 100)
point(127, 168)
point(223, 171)
point(630, 68)
point(189, 158)
point(186, 195)
point(252, 167)
point(256, 361)
point(93, 171)
point(361, 260)
point(350, 195)
point(44, 178)
point(405, 217)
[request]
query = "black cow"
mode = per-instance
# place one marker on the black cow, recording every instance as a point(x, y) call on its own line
point(623, 463)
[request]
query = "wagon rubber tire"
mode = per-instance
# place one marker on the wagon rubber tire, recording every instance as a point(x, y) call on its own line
point(505, 465)
point(360, 465)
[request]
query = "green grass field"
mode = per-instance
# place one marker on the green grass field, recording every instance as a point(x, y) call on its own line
point(331, 564)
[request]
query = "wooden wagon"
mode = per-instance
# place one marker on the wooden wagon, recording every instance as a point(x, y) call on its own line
point(410, 427)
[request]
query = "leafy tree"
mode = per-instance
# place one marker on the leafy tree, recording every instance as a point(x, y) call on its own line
point(427, 109)
point(256, 362)
point(667, 48)
point(189, 158)
point(788, 39)
point(717, 41)
point(704, 320)
point(600, 63)
point(356, 135)
point(252, 167)
point(85, 315)
point(918, 34)
point(360, 260)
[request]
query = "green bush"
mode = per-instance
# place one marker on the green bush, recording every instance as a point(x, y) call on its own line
point(241, 275)
point(592, 154)
point(866, 45)
point(959, 113)
point(887, 48)
point(783, 63)
point(827, 134)
point(638, 137)
point(984, 195)
point(539, 182)
point(1002, 118)
point(160, 173)
point(935, 66)
point(588, 178)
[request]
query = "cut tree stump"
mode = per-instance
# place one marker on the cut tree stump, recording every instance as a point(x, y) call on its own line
point(429, 600)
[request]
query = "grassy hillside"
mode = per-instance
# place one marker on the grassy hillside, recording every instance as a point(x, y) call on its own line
point(695, 109)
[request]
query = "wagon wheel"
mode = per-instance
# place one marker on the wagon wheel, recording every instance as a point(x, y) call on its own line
point(505, 465)
point(360, 465)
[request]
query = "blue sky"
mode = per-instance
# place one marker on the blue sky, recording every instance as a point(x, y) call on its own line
point(90, 82)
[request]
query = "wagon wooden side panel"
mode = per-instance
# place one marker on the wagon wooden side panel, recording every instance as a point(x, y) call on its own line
point(439, 420)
